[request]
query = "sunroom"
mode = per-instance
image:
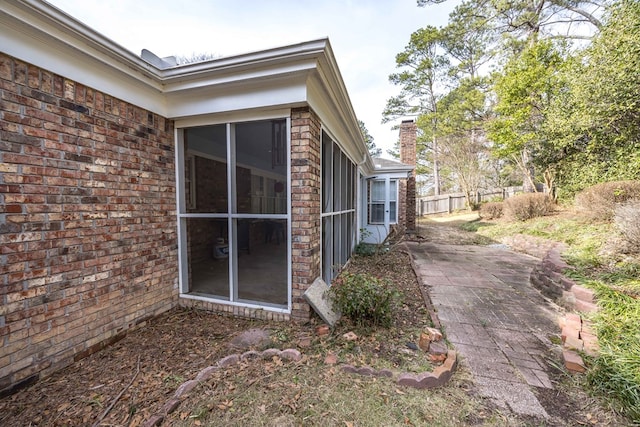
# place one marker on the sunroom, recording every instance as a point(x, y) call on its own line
point(269, 182)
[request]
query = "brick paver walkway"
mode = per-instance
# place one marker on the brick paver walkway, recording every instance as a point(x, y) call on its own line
point(495, 319)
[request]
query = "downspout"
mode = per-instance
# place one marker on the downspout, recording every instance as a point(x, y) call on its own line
point(359, 198)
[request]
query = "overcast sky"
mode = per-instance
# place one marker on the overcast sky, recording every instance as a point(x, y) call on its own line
point(365, 35)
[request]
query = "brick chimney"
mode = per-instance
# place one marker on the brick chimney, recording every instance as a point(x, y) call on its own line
point(408, 138)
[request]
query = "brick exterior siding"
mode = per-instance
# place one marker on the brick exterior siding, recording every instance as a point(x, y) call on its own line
point(305, 206)
point(407, 190)
point(88, 242)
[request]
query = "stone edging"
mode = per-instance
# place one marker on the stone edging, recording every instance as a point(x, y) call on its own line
point(577, 332)
point(181, 392)
point(437, 378)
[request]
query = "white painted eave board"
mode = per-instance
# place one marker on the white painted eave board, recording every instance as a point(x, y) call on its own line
point(39, 33)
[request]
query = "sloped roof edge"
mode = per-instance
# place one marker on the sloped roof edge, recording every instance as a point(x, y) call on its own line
point(39, 33)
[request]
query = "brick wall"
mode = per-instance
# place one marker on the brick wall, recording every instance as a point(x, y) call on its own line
point(88, 245)
point(305, 206)
point(407, 193)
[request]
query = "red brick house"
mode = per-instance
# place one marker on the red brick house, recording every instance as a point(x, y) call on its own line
point(130, 185)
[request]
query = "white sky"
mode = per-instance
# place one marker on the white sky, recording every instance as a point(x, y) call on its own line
point(365, 35)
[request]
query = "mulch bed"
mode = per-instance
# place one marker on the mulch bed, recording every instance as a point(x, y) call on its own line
point(140, 372)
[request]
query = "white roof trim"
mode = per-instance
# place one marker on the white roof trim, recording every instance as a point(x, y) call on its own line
point(283, 77)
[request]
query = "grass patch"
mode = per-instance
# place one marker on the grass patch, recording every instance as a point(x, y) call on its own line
point(310, 393)
point(615, 373)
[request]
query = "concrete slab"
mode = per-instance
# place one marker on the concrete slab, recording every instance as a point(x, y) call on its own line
point(512, 395)
point(317, 297)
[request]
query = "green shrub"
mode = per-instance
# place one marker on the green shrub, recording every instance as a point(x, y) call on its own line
point(627, 220)
point(527, 205)
point(599, 201)
point(491, 210)
point(366, 249)
point(364, 298)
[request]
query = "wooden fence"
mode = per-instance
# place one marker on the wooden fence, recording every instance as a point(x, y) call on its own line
point(447, 203)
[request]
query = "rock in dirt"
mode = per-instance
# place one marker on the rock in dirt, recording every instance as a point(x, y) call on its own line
point(251, 338)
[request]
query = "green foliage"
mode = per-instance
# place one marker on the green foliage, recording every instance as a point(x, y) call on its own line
point(366, 249)
point(594, 124)
point(599, 201)
point(615, 373)
point(364, 299)
point(368, 139)
point(525, 89)
point(527, 206)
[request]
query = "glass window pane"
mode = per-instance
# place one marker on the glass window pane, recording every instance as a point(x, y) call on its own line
point(327, 181)
point(376, 213)
point(344, 184)
point(345, 237)
point(208, 257)
point(377, 191)
point(261, 150)
point(335, 176)
point(337, 242)
point(205, 169)
point(327, 248)
point(392, 212)
point(393, 192)
point(350, 186)
point(262, 261)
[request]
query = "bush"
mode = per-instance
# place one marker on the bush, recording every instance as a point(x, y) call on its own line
point(364, 298)
point(627, 220)
point(366, 249)
point(491, 210)
point(528, 205)
point(599, 201)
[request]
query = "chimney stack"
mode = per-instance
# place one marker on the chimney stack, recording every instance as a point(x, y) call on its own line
point(408, 140)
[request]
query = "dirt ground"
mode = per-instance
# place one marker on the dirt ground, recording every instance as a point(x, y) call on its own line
point(174, 347)
point(129, 381)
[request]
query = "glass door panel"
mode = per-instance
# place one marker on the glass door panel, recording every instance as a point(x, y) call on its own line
point(262, 260)
point(208, 255)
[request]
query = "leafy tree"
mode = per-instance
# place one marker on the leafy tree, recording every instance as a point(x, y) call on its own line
point(371, 145)
point(527, 19)
point(596, 120)
point(463, 143)
point(423, 67)
point(524, 91)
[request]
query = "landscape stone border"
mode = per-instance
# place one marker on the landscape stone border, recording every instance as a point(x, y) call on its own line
point(577, 332)
point(437, 378)
point(183, 390)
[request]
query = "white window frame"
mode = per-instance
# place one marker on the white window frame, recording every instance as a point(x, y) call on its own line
point(182, 215)
point(329, 265)
point(390, 197)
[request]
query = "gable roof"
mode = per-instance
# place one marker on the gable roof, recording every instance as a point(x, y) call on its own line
point(390, 166)
point(283, 77)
